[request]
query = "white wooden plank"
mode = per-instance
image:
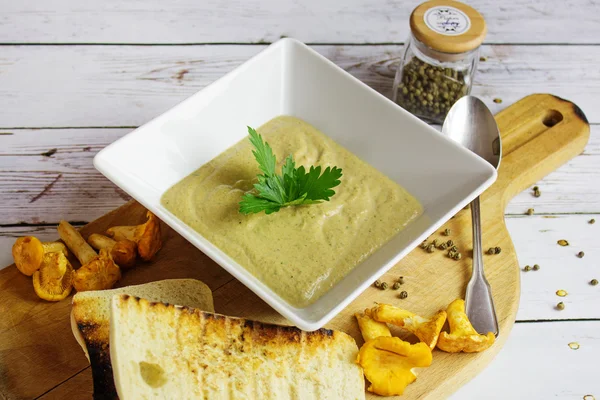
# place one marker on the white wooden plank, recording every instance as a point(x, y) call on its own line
point(355, 21)
point(82, 194)
point(537, 363)
point(69, 86)
point(535, 242)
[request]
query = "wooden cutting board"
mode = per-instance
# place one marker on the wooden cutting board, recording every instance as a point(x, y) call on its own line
point(39, 356)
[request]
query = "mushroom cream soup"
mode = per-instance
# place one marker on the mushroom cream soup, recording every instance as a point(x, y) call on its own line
point(299, 252)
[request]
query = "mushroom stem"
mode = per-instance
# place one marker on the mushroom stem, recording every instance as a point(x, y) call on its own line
point(76, 243)
point(123, 232)
point(100, 242)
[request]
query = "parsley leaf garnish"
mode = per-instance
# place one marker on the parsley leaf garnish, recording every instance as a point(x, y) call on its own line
point(295, 186)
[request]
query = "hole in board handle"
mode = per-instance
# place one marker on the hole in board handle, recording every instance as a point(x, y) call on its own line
point(552, 118)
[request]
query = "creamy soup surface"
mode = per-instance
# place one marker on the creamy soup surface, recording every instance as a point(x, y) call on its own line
point(299, 252)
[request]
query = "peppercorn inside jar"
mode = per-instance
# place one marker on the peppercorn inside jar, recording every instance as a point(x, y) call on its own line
point(440, 58)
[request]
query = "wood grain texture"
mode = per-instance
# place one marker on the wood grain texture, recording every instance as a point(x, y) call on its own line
point(546, 343)
point(432, 279)
point(355, 21)
point(117, 86)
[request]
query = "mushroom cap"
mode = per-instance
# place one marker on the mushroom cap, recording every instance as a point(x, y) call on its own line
point(369, 328)
point(124, 253)
point(28, 253)
point(99, 274)
point(54, 279)
point(388, 362)
point(462, 337)
point(149, 238)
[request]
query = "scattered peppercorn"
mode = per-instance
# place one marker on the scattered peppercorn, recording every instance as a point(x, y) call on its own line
point(536, 267)
point(592, 221)
point(450, 243)
point(580, 254)
point(384, 286)
point(561, 293)
point(400, 280)
point(536, 191)
point(377, 283)
point(447, 232)
point(530, 211)
point(482, 58)
point(560, 306)
point(527, 268)
point(442, 246)
point(451, 253)
point(430, 248)
point(454, 248)
point(403, 294)
point(491, 251)
point(497, 100)
point(435, 242)
point(396, 286)
point(563, 242)
point(497, 250)
point(594, 282)
point(424, 244)
point(457, 256)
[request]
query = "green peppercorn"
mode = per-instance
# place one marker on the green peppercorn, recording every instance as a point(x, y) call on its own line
point(491, 251)
point(536, 267)
point(400, 280)
point(592, 221)
point(454, 248)
point(457, 256)
point(560, 306)
point(442, 246)
point(497, 100)
point(580, 254)
point(396, 286)
point(530, 211)
point(430, 248)
point(594, 282)
point(497, 250)
point(451, 253)
point(424, 244)
point(384, 286)
point(403, 294)
point(527, 268)
point(450, 243)
point(435, 242)
point(447, 232)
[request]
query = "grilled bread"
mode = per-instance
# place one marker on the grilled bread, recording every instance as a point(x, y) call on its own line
point(161, 351)
point(90, 317)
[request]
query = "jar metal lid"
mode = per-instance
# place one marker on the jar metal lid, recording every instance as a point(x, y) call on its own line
point(448, 26)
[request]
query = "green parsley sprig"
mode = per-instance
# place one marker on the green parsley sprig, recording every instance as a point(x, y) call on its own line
point(295, 186)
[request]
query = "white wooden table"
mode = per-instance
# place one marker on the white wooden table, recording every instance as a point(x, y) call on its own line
point(76, 75)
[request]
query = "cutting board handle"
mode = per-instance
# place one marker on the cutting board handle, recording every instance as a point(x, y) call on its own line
point(539, 133)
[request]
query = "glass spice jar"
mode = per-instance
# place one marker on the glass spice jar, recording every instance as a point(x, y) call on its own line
point(440, 58)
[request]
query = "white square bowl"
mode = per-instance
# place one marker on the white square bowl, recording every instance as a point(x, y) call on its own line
point(289, 78)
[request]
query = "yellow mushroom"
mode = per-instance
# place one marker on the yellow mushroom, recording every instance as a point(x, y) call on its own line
point(427, 330)
point(147, 236)
point(389, 362)
point(462, 336)
point(28, 253)
point(97, 272)
point(53, 281)
point(369, 328)
point(124, 252)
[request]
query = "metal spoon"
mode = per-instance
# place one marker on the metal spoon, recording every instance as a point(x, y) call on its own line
point(471, 124)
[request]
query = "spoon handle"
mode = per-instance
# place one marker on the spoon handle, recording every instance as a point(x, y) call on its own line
point(479, 303)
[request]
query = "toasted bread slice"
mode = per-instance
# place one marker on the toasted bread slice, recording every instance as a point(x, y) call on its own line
point(90, 316)
point(161, 351)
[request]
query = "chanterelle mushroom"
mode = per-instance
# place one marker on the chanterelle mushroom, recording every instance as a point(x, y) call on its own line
point(28, 253)
point(97, 272)
point(146, 235)
point(54, 279)
point(388, 363)
point(462, 336)
point(427, 330)
point(124, 252)
point(369, 328)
